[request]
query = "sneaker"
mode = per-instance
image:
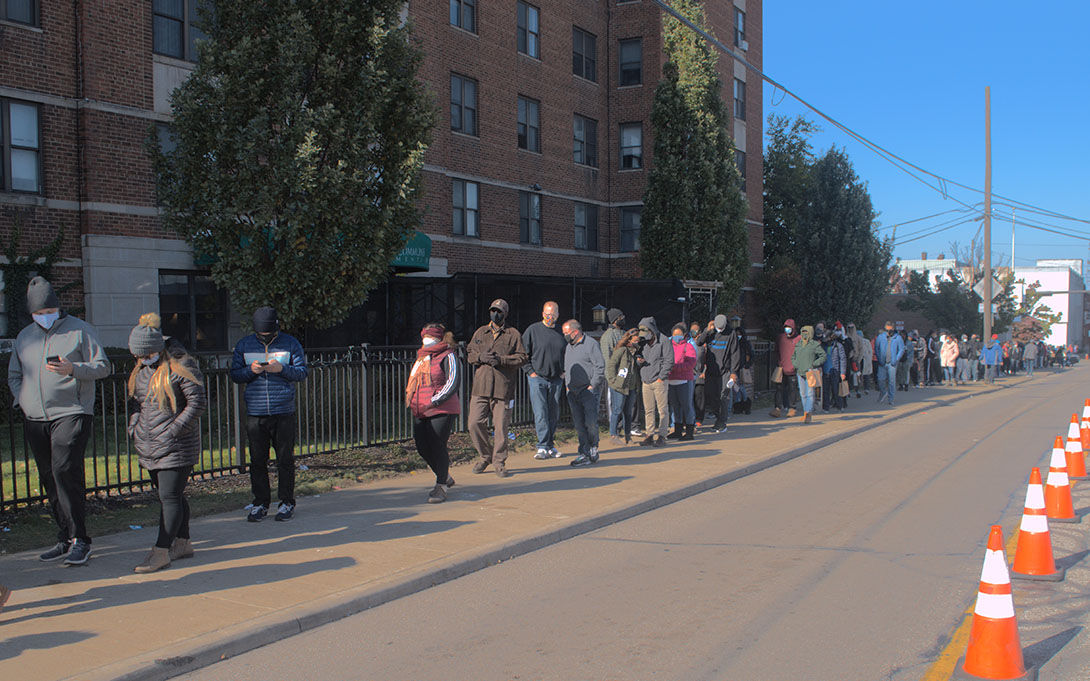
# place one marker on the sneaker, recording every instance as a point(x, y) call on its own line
point(58, 551)
point(648, 441)
point(5, 593)
point(438, 495)
point(285, 511)
point(450, 481)
point(593, 453)
point(542, 454)
point(720, 428)
point(636, 432)
point(581, 461)
point(257, 513)
point(501, 471)
point(616, 439)
point(480, 466)
point(660, 441)
point(555, 453)
point(78, 554)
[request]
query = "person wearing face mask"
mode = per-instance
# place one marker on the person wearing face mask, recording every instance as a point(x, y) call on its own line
point(680, 385)
point(888, 348)
point(699, 372)
point(51, 373)
point(834, 371)
point(948, 355)
point(166, 400)
point(432, 396)
point(655, 358)
point(783, 397)
point(496, 352)
point(545, 377)
point(269, 363)
point(584, 376)
point(722, 368)
point(807, 356)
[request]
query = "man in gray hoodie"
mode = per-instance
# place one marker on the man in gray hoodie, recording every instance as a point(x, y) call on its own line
point(655, 358)
point(52, 374)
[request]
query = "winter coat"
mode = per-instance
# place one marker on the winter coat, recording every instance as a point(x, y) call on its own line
point(726, 354)
point(1030, 354)
point(808, 353)
point(497, 382)
point(164, 438)
point(992, 354)
point(836, 360)
point(44, 395)
point(920, 346)
point(896, 346)
point(437, 389)
point(785, 347)
point(658, 359)
point(684, 361)
point(949, 353)
point(867, 354)
point(608, 341)
point(269, 394)
point(622, 374)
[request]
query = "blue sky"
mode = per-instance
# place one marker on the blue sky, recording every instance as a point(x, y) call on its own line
point(911, 77)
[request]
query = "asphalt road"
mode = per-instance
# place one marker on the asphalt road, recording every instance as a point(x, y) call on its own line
point(852, 562)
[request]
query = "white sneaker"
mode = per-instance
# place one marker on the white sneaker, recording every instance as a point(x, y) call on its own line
point(555, 453)
point(542, 454)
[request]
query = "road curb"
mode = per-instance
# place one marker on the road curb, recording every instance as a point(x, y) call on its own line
point(208, 649)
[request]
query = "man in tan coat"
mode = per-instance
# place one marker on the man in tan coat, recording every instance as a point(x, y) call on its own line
point(496, 353)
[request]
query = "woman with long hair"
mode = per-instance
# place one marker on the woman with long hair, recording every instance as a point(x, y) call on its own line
point(166, 400)
point(432, 396)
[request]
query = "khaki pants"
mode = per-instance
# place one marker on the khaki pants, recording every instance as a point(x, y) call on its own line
point(656, 401)
point(480, 408)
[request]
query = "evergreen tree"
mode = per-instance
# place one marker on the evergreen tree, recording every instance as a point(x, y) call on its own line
point(693, 222)
point(787, 185)
point(299, 144)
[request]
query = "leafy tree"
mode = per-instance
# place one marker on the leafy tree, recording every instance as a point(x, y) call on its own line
point(1031, 306)
point(787, 186)
point(299, 144)
point(954, 306)
point(20, 267)
point(693, 222)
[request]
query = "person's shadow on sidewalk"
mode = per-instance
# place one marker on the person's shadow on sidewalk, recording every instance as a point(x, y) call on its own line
point(17, 645)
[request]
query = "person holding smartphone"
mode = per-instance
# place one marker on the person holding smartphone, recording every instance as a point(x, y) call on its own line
point(52, 373)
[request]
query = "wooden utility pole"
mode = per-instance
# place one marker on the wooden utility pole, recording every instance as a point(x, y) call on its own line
point(987, 214)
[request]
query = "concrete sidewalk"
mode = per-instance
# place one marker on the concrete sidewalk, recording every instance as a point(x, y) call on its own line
point(250, 584)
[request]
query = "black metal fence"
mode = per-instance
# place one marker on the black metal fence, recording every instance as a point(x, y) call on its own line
point(352, 397)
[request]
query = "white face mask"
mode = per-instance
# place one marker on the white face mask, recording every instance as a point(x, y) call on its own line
point(46, 321)
point(787, 330)
point(430, 341)
point(149, 360)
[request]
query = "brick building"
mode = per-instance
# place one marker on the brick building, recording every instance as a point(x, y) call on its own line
point(532, 190)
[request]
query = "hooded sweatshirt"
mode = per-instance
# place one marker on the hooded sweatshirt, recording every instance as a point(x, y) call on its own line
point(658, 358)
point(785, 347)
point(725, 352)
point(808, 352)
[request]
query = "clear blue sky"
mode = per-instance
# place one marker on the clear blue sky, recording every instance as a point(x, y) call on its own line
point(911, 78)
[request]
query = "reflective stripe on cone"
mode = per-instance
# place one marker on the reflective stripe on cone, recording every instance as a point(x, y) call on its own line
point(1033, 557)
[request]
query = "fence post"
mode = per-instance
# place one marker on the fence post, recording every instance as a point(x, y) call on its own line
point(365, 394)
point(463, 418)
point(239, 444)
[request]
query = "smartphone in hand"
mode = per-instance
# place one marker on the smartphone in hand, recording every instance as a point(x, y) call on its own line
point(53, 359)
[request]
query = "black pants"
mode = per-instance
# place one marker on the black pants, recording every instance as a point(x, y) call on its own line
point(830, 394)
point(698, 401)
point(58, 448)
point(786, 392)
point(279, 431)
point(718, 397)
point(431, 434)
point(173, 508)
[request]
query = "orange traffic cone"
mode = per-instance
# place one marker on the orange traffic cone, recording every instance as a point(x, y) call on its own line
point(1086, 409)
point(1076, 464)
point(1058, 504)
point(995, 651)
point(1033, 557)
point(1084, 434)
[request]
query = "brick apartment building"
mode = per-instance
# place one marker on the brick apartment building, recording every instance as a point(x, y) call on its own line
point(532, 190)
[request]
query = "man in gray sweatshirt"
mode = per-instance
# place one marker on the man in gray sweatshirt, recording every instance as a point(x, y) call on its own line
point(655, 359)
point(584, 376)
point(52, 374)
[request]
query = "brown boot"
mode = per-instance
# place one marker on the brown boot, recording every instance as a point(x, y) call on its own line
point(181, 548)
point(807, 418)
point(791, 413)
point(157, 560)
point(775, 413)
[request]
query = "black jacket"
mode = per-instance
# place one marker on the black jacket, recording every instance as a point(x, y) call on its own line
point(165, 438)
point(725, 352)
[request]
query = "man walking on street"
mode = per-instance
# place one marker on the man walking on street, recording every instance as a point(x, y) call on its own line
point(584, 375)
point(269, 364)
point(888, 348)
point(545, 377)
point(496, 353)
point(52, 373)
point(655, 359)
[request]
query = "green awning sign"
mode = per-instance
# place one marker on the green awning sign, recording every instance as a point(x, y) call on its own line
point(416, 256)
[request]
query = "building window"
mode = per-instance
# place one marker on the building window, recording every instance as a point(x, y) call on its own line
point(193, 310)
point(20, 11)
point(463, 105)
point(586, 226)
point(584, 50)
point(585, 147)
point(529, 125)
point(530, 218)
point(631, 58)
point(631, 146)
point(740, 99)
point(739, 28)
point(20, 147)
point(528, 30)
point(630, 228)
point(740, 161)
point(463, 14)
point(466, 207)
point(173, 28)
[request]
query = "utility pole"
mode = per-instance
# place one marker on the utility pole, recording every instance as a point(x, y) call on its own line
point(988, 214)
point(1014, 213)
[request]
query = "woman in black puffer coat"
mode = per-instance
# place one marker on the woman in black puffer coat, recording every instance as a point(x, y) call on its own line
point(167, 398)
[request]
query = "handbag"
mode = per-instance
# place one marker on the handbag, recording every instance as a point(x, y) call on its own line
point(813, 378)
point(777, 375)
point(747, 376)
point(843, 390)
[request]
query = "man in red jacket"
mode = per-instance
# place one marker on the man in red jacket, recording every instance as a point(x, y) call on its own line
point(784, 396)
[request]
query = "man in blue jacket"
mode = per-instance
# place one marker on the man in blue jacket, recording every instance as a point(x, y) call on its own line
point(889, 347)
point(270, 363)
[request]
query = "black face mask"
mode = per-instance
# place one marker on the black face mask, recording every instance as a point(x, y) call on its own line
point(889, 332)
point(572, 340)
point(497, 317)
point(266, 338)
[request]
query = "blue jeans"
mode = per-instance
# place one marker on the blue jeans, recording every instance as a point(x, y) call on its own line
point(584, 415)
point(545, 400)
point(622, 409)
point(681, 404)
point(963, 370)
point(806, 393)
point(1029, 366)
point(887, 381)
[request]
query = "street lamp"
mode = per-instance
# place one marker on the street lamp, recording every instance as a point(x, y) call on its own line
point(599, 313)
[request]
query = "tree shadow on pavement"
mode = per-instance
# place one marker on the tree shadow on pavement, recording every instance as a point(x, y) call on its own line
point(1041, 652)
point(15, 646)
point(576, 481)
point(1068, 562)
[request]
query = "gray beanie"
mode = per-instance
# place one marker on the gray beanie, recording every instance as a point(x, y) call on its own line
point(40, 295)
point(146, 338)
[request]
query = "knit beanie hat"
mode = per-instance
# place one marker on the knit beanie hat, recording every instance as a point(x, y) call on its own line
point(265, 320)
point(146, 337)
point(720, 321)
point(614, 314)
point(40, 295)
